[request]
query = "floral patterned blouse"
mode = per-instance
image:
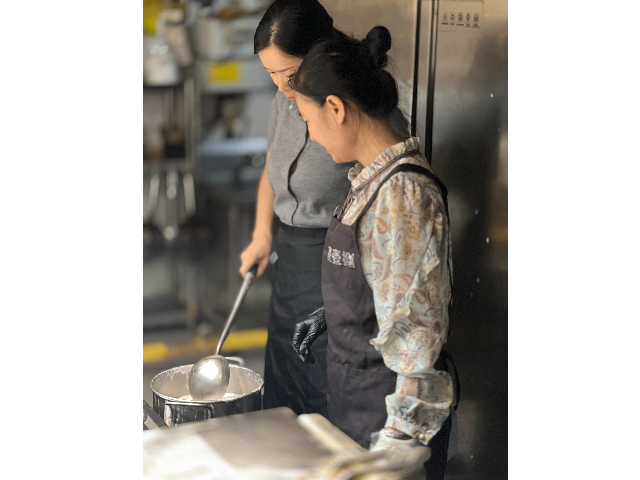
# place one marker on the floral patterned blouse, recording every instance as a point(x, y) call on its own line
point(405, 251)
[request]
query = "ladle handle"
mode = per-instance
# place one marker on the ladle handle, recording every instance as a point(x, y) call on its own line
point(248, 279)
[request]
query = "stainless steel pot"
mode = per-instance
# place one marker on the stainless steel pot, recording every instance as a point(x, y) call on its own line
point(245, 386)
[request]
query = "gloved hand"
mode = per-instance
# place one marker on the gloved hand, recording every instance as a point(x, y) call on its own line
point(306, 333)
point(388, 439)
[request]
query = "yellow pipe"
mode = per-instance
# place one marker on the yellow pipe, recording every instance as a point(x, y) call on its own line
point(200, 345)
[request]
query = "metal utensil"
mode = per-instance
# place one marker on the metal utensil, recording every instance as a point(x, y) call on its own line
point(209, 376)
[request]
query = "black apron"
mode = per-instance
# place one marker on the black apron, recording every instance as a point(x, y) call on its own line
point(296, 292)
point(358, 378)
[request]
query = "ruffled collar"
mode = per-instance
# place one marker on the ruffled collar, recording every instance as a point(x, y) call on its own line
point(358, 174)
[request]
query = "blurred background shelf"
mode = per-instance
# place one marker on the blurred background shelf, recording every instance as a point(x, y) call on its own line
point(206, 101)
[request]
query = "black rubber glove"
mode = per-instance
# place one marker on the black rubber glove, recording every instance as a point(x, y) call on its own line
point(306, 333)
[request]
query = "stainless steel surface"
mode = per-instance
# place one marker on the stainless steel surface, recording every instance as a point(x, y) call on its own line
point(243, 395)
point(209, 377)
point(248, 280)
point(268, 445)
point(251, 359)
point(238, 360)
point(470, 154)
point(270, 438)
point(151, 419)
point(265, 445)
point(425, 74)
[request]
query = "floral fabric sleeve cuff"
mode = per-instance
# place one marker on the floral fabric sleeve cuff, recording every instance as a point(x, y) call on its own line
point(419, 407)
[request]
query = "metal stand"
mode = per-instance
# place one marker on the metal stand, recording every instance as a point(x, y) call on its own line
point(170, 176)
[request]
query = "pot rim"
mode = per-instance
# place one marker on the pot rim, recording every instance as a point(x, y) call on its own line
point(204, 402)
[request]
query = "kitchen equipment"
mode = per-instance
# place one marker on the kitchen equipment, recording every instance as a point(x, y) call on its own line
point(159, 64)
point(151, 419)
point(262, 445)
point(244, 394)
point(220, 39)
point(209, 377)
point(232, 76)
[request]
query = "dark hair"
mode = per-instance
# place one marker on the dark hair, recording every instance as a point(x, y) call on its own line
point(293, 26)
point(352, 70)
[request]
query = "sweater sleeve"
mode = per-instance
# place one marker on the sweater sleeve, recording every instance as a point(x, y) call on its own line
point(273, 120)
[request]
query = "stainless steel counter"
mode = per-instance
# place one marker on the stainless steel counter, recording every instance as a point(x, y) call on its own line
point(264, 444)
point(273, 444)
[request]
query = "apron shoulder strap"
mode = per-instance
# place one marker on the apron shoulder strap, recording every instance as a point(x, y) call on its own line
point(407, 167)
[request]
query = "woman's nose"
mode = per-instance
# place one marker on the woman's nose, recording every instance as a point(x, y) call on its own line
point(282, 83)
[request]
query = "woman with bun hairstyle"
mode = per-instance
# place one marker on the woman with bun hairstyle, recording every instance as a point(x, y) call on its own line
point(301, 185)
point(386, 267)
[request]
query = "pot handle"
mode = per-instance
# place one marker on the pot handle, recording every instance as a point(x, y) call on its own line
point(238, 360)
point(168, 415)
point(168, 411)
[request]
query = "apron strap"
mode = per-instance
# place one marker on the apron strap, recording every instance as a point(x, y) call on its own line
point(447, 356)
point(408, 167)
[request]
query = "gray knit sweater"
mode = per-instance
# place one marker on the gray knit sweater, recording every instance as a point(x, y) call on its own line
point(308, 192)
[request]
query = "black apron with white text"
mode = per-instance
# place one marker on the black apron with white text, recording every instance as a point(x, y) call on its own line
point(289, 382)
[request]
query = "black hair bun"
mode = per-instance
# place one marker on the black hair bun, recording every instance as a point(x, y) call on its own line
point(378, 43)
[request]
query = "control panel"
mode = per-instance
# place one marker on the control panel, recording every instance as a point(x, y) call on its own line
point(462, 16)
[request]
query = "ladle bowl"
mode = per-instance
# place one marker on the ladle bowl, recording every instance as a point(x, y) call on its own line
point(209, 376)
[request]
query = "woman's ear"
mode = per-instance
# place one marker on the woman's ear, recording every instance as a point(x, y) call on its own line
point(336, 109)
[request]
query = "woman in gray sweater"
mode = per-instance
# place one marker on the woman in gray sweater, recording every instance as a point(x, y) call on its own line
point(302, 185)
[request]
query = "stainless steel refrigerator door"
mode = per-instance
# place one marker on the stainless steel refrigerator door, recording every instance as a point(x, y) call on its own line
point(469, 153)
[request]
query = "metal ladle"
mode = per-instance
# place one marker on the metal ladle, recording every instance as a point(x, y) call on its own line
point(209, 376)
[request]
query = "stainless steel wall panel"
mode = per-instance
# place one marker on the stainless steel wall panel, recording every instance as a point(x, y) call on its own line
point(425, 74)
point(470, 155)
